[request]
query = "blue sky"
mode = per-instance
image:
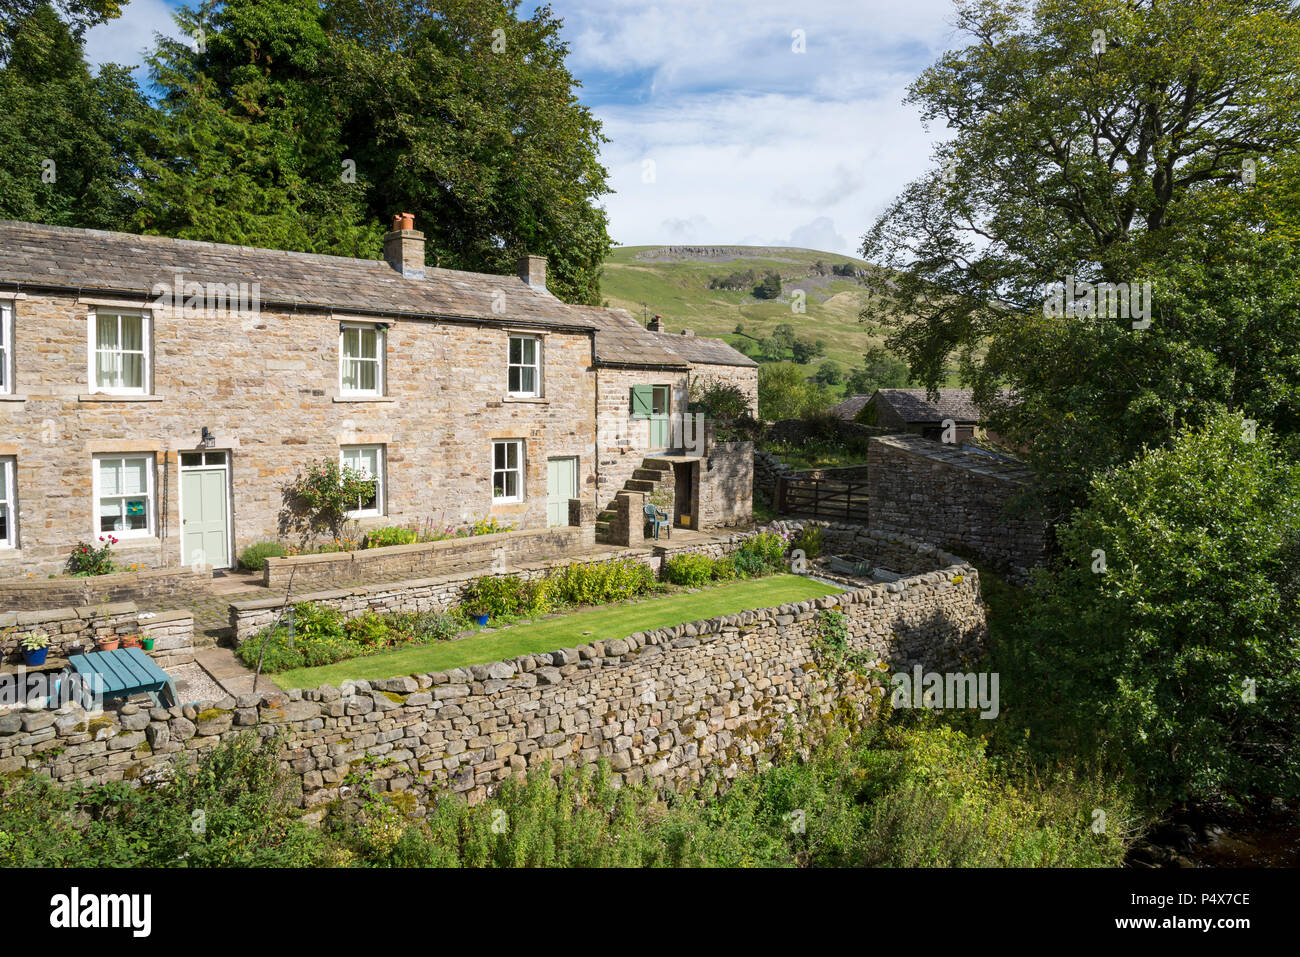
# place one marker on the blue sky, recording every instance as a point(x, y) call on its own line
point(719, 132)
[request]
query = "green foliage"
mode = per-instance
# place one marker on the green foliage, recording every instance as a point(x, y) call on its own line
point(810, 539)
point(784, 393)
point(692, 571)
point(764, 551)
point(53, 110)
point(391, 535)
point(506, 596)
point(254, 556)
point(1182, 658)
point(248, 807)
point(905, 797)
point(748, 564)
point(320, 635)
point(1182, 100)
point(880, 370)
point(321, 496)
point(724, 570)
point(828, 372)
point(601, 583)
point(89, 560)
point(769, 287)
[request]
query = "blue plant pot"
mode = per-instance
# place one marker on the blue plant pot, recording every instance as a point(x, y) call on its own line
point(480, 620)
point(35, 657)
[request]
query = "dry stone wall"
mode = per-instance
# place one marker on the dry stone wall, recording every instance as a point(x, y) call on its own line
point(957, 499)
point(669, 706)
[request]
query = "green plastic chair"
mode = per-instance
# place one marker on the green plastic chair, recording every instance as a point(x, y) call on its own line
point(657, 520)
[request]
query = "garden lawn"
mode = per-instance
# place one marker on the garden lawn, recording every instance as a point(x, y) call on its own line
point(565, 631)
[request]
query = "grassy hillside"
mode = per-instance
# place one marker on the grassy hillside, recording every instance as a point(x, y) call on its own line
point(673, 281)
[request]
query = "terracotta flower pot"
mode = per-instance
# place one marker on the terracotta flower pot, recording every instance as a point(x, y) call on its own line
point(108, 644)
point(131, 641)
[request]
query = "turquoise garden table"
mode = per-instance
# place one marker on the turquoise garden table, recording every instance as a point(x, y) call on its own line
point(125, 672)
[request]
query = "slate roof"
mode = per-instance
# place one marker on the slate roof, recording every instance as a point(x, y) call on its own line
point(92, 261)
point(621, 340)
point(849, 407)
point(913, 406)
point(703, 349)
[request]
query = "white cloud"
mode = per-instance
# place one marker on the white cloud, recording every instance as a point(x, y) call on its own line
point(126, 39)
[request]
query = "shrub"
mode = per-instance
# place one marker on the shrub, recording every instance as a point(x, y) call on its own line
point(319, 499)
point(254, 556)
point(391, 535)
point(506, 596)
point(692, 571)
point(600, 583)
point(1182, 651)
point(313, 635)
point(767, 550)
point(748, 565)
point(810, 540)
point(724, 570)
point(371, 631)
point(88, 560)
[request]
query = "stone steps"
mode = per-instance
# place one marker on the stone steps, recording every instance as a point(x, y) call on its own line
point(646, 480)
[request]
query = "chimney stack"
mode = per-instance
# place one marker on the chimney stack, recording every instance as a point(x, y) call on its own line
point(404, 247)
point(656, 324)
point(532, 270)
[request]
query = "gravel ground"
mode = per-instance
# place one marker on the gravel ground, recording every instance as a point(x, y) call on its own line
point(195, 684)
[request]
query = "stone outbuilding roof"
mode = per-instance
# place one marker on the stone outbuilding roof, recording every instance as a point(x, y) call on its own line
point(95, 262)
point(913, 405)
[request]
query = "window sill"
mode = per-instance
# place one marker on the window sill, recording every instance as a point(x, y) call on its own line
point(6, 397)
point(131, 541)
point(363, 398)
point(112, 397)
point(533, 399)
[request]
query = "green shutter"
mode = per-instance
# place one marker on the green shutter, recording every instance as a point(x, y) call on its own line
point(642, 401)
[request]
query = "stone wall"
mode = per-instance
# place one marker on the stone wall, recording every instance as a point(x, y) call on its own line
point(425, 559)
point(147, 586)
point(268, 388)
point(957, 499)
point(74, 630)
point(726, 485)
point(666, 707)
point(745, 378)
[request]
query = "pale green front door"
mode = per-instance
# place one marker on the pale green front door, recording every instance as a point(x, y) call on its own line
point(561, 485)
point(659, 421)
point(204, 532)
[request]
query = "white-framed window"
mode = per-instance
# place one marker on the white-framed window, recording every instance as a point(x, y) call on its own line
point(8, 505)
point(124, 495)
point(369, 461)
point(361, 359)
point(119, 352)
point(6, 349)
point(524, 377)
point(508, 470)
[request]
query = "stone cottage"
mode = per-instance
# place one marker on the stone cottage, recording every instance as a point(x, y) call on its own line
point(164, 391)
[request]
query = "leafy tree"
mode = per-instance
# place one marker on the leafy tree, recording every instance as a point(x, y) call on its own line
point(784, 334)
point(78, 15)
point(305, 126)
point(804, 350)
point(1124, 164)
point(769, 287)
point(880, 370)
point(230, 159)
point(784, 393)
point(319, 499)
point(829, 372)
point(770, 349)
point(67, 136)
point(1169, 635)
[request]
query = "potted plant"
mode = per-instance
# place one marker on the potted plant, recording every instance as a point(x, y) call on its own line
point(36, 645)
point(148, 643)
point(478, 611)
point(131, 641)
point(107, 642)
